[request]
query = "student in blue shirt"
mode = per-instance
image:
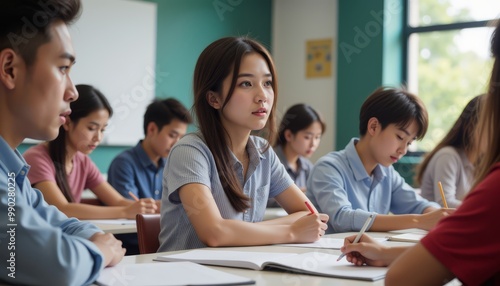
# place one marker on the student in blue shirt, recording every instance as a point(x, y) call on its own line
point(139, 169)
point(217, 181)
point(39, 245)
point(353, 183)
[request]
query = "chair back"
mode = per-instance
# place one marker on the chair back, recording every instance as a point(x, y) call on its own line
point(148, 229)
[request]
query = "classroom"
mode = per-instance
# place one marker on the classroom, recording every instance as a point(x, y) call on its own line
point(329, 54)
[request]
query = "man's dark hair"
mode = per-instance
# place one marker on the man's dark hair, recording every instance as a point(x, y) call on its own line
point(24, 24)
point(394, 106)
point(162, 112)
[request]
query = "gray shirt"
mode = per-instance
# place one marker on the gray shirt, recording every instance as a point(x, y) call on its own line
point(452, 167)
point(304, 167)
point(190, 161)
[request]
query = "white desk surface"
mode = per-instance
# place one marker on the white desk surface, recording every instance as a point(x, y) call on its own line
point(115, 228)
point(268, 278)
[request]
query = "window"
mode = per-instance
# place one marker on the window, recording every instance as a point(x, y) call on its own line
point(448, 57)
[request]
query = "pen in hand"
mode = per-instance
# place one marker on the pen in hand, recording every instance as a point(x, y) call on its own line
point(309, 207)
point(363, 229)
point(133, 196)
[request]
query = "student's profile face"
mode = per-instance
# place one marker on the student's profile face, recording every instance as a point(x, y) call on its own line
point(391, 144)
point(164, 139)
point(305, 142)
point(45, 89)
point(252, 100)
point(87, 133)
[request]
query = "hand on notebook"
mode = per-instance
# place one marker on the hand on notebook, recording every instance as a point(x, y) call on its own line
point(110, 247)
point(309, 228)
point(366, 251)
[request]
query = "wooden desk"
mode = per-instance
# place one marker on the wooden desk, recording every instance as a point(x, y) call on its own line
point(115, 226)
point(277, 278)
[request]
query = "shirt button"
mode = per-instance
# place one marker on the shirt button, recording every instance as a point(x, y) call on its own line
point(157, 192)
point(22, 173)
point(246, 211)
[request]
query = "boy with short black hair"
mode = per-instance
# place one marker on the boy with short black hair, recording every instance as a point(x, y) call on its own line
point(353, 183)
point(36, 55)
point(140, 169)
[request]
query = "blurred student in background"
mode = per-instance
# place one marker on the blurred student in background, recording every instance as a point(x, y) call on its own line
point(139, 170)
point(299, 136)
point(452, 160)
point(61, 169)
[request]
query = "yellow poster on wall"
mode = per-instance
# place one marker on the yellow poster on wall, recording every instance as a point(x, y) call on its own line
point(319, 58)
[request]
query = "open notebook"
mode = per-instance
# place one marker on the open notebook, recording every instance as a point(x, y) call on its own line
point(177, 273)
point(312, 263)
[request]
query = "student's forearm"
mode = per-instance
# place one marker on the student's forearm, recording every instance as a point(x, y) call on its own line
point(392, 253)
point(239, 233)
point(395, 222)
point(84, 211)
point(286, 220)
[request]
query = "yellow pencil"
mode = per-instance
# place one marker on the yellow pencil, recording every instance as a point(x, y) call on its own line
point(442, 195)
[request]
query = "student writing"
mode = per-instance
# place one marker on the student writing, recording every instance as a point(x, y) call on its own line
point(452, 160)
point(35, 95)
point(61, 168)
point(219, 179)
point(465, 244)
point(351, 184)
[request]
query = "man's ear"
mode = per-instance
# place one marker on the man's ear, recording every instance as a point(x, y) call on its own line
point(214, 100)
point(8, 67)
point(151, 128)
point(373, 125)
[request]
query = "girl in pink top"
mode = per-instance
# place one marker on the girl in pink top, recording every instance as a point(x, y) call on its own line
point(61, 169)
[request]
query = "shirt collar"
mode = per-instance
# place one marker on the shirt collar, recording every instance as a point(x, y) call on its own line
point(144, 158)
point(12, 160)
point(281, 155)
point(357, 167)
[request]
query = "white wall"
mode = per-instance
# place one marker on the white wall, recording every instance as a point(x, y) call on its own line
point(295, 22)
point(118, 57)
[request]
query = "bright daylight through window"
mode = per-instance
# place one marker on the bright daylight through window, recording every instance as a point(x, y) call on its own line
point(448, 57)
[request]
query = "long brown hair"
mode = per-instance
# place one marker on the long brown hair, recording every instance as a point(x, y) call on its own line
point(89, 100)
point(489, 120)
point(460, 136)
point(219, 60)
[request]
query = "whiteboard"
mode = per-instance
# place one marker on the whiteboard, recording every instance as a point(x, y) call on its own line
point(115, 45)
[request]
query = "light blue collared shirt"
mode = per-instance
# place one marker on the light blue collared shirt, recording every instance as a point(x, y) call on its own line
point(340, 187)
point(37, 238)
point(133, 171)
point(190, 161)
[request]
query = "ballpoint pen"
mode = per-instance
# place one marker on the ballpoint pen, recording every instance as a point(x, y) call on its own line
point(363, 229)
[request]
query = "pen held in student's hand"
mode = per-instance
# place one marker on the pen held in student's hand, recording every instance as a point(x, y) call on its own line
point(133, 196)
point(445, 204)
point(361, 232)
point(308, 205)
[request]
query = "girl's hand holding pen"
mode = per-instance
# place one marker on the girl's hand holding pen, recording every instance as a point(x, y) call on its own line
point(309, 228)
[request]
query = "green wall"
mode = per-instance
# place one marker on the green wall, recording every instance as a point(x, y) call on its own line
point(369, 55)
point(184, 29)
